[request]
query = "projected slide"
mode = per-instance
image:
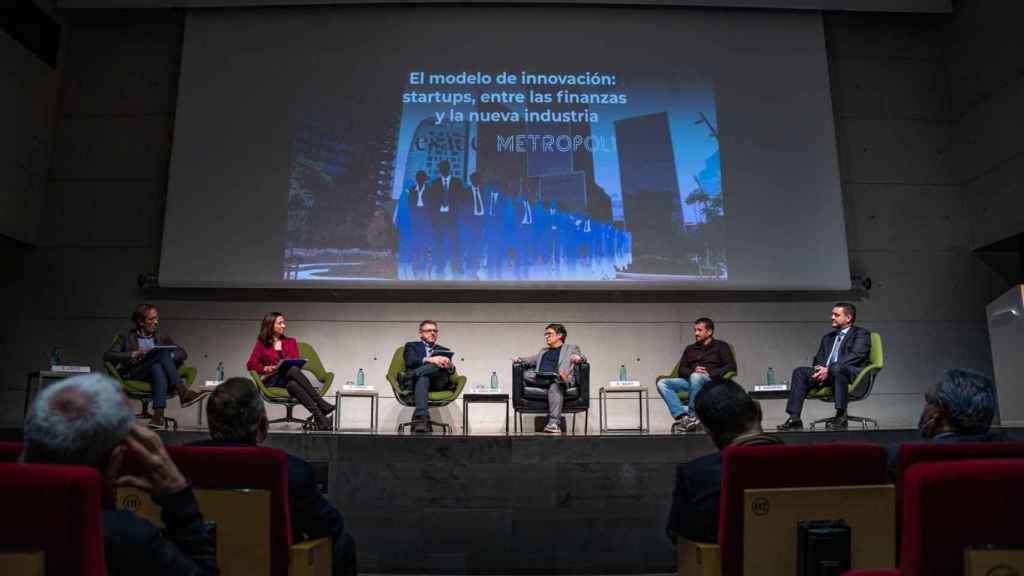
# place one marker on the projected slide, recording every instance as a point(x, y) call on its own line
point(513, 174)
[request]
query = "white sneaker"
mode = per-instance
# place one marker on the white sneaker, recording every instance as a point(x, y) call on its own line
point(693, 424)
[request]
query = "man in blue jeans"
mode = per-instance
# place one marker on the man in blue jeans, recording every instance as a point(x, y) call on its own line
point(703, 361)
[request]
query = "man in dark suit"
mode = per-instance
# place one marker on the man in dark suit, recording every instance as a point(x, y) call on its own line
point(237, 417)
point(428, 366)
point(445, 196)
point(732, 418)
point(420, 216)
point(841, 356)
point(85, 421)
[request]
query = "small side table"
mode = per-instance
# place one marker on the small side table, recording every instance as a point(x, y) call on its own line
point(483, 398)
point(370, 393)
point(643, 400)
point(40, 377)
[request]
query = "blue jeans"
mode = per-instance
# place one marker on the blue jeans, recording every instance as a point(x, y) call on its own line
point(161, 371)
point(669, 387)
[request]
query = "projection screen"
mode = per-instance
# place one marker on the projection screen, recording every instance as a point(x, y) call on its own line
point(497, 147)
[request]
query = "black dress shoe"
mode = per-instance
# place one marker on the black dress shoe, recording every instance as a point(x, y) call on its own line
point(791, 424)
point(837, 423)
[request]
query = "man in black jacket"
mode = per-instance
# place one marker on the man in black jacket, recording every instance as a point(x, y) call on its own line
point(703, 361)
point(732, 418)
point(237, 417)
point(841, 356)
point(85, 421)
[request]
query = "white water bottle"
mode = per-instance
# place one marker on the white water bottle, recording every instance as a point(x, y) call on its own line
point(770, 376)
point(360, 378)
point(494, 381)
point(622, 373)
point(220, 371)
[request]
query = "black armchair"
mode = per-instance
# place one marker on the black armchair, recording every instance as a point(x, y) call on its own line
point(531, 400)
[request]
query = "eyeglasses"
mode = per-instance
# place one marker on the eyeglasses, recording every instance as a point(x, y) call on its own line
point(429, 330)
point(550, 333)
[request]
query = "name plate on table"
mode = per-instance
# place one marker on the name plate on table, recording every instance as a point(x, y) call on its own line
point(71, 369)
point(770, 388)
point(623, 383)
point(212, 383)
point(354, 388)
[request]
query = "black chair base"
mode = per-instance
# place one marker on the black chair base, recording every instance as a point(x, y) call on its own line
point(862, 420)
point(145, 414)
point(445, 427)
point(288, 417)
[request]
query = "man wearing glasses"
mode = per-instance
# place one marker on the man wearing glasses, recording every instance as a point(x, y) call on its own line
point(552, 369)
point(428, 366)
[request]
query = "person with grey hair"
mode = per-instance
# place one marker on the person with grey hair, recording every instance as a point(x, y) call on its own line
point(237, 417)
point(86, 420)
point(958, 408)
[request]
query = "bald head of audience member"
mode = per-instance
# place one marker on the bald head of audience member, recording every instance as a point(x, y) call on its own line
point(728, 412)
point(236, 414)
point(962, 402)
point(81, 420)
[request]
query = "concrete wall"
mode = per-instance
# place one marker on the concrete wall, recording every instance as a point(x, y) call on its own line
point(908, 223)
point(986, 80)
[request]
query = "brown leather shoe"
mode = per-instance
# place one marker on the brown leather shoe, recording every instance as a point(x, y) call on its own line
point(190, 397)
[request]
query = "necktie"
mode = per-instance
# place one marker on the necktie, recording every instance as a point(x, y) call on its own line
point(478, 202)
point(445, 182)
point(835, 349)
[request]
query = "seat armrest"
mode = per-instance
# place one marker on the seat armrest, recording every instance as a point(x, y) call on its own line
point(583, 381)
point(517, 383)
point(310, 558)
point(698, 558)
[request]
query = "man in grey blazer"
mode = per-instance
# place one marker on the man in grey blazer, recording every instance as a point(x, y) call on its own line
point(557, 357)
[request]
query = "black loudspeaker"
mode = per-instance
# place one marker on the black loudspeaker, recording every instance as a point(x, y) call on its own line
point(823, 547)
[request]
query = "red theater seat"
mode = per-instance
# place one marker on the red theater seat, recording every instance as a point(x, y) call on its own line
point(9, 451)
point(781, 466)
point(55, 509)
point(253, 468)
point(949, 506)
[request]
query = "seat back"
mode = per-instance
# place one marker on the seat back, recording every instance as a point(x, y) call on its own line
point(397, 365)
point(255, 468)
point(522, 404)
point(949, 506)
point(770, 535)
point(861, 386)
point(55, 509)
point(315, 366)
point(241, 517)
point(781, 466)
point(10, 451)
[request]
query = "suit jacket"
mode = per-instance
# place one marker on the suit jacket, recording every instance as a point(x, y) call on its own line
point(413, 198)
point(312, 516)
point(694, 512)
point(416, 351)
point(120, 352)
point(854, 351)
point(563, 359)
point(185, 546)
point(455, 197)
point(266, 355)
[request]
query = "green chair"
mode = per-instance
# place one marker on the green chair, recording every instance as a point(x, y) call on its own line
point(684, 395)
point(280, 395)
point(143, 391)
point(860, 387)
point(435, 398)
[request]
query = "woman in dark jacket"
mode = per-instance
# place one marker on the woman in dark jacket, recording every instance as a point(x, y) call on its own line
point(271, 347)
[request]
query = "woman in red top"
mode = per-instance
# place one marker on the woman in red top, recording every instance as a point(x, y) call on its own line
point(271, 347)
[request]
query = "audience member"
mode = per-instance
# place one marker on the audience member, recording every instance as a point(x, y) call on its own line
point(237, 418)
point(731, 418)
point(958, 408)
point(85, 420)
